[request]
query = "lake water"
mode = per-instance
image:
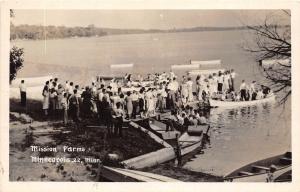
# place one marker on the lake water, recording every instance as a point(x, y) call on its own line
point(238, 136)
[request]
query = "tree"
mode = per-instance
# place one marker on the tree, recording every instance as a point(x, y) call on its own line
point(15, 59)
point(272, 49)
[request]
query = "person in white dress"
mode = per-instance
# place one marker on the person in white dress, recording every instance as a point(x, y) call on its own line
point(190, 89)
point(46, 100)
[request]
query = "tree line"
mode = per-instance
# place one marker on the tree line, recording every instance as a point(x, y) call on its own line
point(36, 32)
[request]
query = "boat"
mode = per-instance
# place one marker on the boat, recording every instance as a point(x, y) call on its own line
point(188, 143)
point(128, 175)
point(232, 104)
point(274, 63)
point(121, 65)
point(285, 177)
point(258, 171)
point(206, 63)
point(206, 71)
point(31, 81)
point(34, 93)
point(185, 66)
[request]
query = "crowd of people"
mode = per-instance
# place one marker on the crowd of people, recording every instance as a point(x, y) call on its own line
point(114, 100)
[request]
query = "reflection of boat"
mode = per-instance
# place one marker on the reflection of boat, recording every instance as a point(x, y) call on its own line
point(185, 66)
point(229, 104)
point(257, 171)
point(121, 65)
point(205, 71)
point(188, 144)
point(127, 175)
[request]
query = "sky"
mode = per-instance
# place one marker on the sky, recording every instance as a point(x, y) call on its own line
point(142, 19)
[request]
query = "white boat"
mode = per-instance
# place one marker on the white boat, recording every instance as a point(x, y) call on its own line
point(232, 104)
point(275, 62)
point(185, 66)
point(128, 175)
point(31, 81)
point(206, 63)
point(34, 93)
point(205, 71)
point(115, 66)
point(187, 143)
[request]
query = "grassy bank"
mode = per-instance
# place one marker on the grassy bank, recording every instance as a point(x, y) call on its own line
point(95, 140)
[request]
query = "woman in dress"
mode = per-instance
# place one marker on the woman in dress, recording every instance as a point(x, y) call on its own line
point(190, 89)
point(184, 92)
point(129, 104)
point(46, 100)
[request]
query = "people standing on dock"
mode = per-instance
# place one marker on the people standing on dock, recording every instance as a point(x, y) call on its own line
point(22, 88)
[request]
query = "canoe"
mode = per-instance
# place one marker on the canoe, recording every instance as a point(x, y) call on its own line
point(231, 104)
point(185, 66)
point(128, 175)
point(115, 66)
point(31, 81)
point(187, 143)
point(257, 171)
point(205, 71)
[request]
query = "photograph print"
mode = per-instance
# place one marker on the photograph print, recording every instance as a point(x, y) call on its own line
point(150, 95)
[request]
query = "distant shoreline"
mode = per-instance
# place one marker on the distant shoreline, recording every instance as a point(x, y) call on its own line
point(34, 32)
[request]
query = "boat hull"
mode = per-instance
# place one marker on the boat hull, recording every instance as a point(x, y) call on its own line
point(233, 104)
point(127, 175)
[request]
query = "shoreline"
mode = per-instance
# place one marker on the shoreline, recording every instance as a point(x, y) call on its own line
point(24, 135)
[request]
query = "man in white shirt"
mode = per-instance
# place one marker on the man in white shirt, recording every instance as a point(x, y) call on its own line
point(243, 90)
point(23, 93)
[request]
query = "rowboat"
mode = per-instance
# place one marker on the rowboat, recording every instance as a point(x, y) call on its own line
point(275, 63)
point(258, 171)
point(31, 81)
point(206, 63)
point(122, 65)
point(285, 177)
point(232, 104)
point(187, 143)
point(205, 71)
point(185, 66)
point(128, 175)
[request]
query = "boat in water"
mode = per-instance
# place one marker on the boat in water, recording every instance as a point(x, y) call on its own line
point(128, 175)
point(207, 63)
point(185, 66)
point(232, 104)
point(31, 81)
point(127, 65)
point(258, 171)
point(205, 71)
point(187, 144)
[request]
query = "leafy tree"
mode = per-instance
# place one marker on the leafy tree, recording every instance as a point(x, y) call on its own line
point(272, 42)
point(16, 61)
